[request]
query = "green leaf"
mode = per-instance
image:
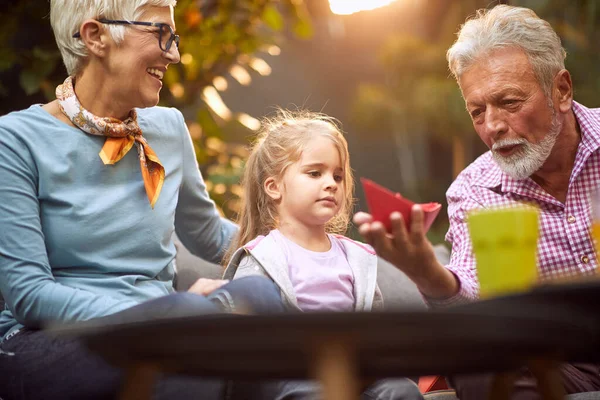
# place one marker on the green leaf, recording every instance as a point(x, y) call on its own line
point(7, 59)
point(208, 124)
point(45, 55)
point(31, 78)
point(30, 81)
point(272, 18)
point(303, 29)
point(3, 90)
point(201, 156)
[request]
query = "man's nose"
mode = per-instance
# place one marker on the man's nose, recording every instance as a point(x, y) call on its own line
point(495, 124)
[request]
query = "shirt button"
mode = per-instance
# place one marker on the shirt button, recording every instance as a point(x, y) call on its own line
point(571, 219)
point(585, 259)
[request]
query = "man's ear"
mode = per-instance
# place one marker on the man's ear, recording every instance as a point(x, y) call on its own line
point(94, 36)
point(271, 187)
point(563, 91)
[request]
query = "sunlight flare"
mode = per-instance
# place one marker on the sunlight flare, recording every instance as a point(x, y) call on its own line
point(249, 121)
point(215, 103)
point(345, 7)
point(260, 66)
point(220, 83)
point(240, 74)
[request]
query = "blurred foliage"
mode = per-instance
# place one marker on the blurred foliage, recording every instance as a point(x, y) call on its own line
point(421, 99)
point(220, 41)
point(418, 88)
point(577, 24)
point(421, 108)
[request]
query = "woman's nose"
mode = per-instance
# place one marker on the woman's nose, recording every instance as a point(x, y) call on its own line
point(173, 54)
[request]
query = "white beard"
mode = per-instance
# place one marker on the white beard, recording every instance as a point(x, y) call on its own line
point(530, 157)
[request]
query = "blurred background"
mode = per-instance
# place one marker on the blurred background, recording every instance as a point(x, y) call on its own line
point(376, 65)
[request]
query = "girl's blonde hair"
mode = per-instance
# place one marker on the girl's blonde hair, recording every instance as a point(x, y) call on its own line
point(278, 145)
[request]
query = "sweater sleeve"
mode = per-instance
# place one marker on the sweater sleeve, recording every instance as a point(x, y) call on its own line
point(26, 280)
point(197, 221)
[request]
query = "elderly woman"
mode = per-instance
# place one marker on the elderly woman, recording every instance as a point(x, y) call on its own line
point(86, 221)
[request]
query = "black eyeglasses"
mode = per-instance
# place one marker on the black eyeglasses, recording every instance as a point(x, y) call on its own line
point(166, 36)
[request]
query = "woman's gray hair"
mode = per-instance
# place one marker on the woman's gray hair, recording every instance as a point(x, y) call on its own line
point(505, 26)
point(66, 16)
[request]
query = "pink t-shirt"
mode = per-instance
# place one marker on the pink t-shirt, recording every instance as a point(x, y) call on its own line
point(323, 281)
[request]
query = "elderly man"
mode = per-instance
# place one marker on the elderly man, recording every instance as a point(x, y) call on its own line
point(544, 149)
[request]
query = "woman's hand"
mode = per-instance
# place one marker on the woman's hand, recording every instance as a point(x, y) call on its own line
point(205, 286)
point(410, 251)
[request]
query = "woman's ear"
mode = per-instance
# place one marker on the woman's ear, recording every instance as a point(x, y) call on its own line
point(94, 36)
point(271, 187)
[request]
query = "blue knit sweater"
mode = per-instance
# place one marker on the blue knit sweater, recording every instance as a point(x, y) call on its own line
point(78, 239)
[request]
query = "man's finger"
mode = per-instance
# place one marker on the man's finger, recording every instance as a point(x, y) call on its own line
point(416, 223)
point(380, 240)
point(361, 218)
point(365, 231)
point(398, 230)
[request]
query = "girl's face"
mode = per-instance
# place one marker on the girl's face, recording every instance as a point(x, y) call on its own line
point(311, 191)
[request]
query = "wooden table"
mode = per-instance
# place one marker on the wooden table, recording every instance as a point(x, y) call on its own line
point(538, 328)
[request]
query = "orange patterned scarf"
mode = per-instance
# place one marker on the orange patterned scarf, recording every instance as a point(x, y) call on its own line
point(121, 137)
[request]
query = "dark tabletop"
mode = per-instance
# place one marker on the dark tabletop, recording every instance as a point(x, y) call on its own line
point(562, 322)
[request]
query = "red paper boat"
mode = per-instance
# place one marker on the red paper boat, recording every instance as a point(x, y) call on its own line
point(382, 202)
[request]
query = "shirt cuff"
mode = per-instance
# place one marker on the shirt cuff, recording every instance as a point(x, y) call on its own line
point(461, 297)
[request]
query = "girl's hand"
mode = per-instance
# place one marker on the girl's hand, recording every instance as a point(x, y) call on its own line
point(205, 286)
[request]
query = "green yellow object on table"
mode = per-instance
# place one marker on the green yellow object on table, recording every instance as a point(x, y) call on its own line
point(505, 247)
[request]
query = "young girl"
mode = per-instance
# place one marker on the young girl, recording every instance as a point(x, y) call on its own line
point(298, 196)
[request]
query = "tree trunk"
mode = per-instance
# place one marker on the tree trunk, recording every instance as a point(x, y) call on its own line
point(458, 156)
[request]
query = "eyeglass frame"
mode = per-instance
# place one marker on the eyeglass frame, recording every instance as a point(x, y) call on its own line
point(160, 25)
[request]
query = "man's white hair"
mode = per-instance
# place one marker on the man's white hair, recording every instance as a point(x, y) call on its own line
point(66, 16)
point(506, 26)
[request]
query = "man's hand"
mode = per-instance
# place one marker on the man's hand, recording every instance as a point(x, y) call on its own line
point(205, 286)
point(410, 252)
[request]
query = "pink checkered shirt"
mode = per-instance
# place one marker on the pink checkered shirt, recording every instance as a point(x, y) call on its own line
point(565, 247)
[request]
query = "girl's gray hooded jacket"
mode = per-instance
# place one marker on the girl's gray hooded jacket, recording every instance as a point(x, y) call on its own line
point(262, 256)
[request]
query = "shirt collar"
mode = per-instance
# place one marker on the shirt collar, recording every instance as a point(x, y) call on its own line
point(588, 121)
point(491, 176)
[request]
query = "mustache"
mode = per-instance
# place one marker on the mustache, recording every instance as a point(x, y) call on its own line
point(507, 143)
